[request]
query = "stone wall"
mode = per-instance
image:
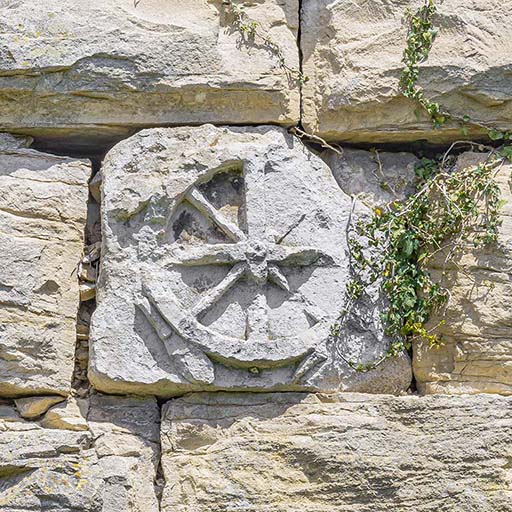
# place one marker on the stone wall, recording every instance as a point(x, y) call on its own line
point(174, 257)
point(291, 451)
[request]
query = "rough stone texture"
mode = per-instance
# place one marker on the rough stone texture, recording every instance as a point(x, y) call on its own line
point(477, 353)
point(352, 54)
point(126, 439)
point(43, 206)
point(70, 415)
point(108, 468)
point(224, 265)
point(374, 177)
point(366, 453)
point(71, 68)
point(9, 142)
point(35, 406)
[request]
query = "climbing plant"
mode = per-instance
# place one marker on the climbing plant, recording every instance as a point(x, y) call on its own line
point(451, 209)
point(420, 39)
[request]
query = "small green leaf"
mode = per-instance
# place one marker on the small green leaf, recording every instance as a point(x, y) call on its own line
point(506, 152)
point(495, 134)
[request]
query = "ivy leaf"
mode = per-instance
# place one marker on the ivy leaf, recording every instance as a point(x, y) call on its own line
point(506, 152)
point(495, 134)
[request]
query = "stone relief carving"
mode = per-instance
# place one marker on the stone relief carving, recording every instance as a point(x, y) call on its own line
point(224, 265)
point(252, 254)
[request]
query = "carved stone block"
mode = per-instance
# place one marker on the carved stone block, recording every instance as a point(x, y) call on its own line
point(224, 267)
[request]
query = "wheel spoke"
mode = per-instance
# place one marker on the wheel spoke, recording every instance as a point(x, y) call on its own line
point(277, 277)
point(298, 256)
point(255, 204)
point(216, 293)
point(257, 324)
point(207, 254)
point(198, 200)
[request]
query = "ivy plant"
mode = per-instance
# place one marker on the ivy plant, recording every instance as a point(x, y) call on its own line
point(451, 209)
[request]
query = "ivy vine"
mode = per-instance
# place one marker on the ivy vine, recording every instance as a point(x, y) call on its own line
point(420, 39)
point(451, 209)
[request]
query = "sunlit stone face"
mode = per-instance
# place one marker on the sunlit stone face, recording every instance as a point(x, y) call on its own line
point(224, 265)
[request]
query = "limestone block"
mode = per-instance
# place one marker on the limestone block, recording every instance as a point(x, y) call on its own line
point(352, 55)
point(78, 68)
point(126, 438)
point(43, 206)
point(70, 415)
point(59, 470)
point(35, 406)
point(224, 266)
point(341, 453)
point(476, 356)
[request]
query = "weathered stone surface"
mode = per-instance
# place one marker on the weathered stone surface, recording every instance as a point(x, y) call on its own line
point(224, 266)
point(54, 470)
point(126, 438)
point(374, 177)
point(367, 453)
point(95, 187)
point(70, 415)
point(43, 206)
point(34, 406)
point(9, 142)
point(476, 356)
point(352, 54)
point(73, 68)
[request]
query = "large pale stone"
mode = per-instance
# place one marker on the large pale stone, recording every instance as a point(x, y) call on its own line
point(224, 265)
point(346, 453)
point(59, 470)
point(43, 206)
point(78, 69)
point(352, 55)
point(476, 355)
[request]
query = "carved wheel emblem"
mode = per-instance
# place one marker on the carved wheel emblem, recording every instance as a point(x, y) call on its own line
point(254, 255)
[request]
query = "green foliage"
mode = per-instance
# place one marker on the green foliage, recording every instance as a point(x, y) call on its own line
point(451, 210)
point(251, 31)
point(506, 152)
point(420, 39)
